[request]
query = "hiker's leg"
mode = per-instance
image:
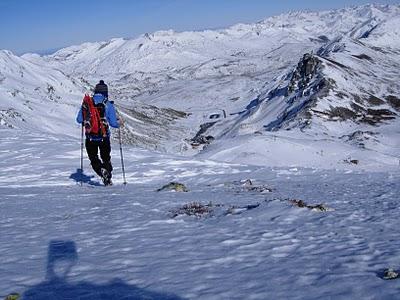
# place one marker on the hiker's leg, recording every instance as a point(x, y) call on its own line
point(105, 154)
point(92, 151)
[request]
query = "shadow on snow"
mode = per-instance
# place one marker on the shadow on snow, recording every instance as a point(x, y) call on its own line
point(61, 257)
point(79, 177)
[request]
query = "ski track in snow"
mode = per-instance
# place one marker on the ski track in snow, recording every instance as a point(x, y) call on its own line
point(128, 245)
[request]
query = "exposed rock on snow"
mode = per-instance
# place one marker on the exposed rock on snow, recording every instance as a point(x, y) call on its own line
point(351, 161)
point(174, 186)
point(316, 207)
point(13, 296)
point(9, 117)
point(248, 186)
point(201, 138)
point(390, 274)
point(305, 71)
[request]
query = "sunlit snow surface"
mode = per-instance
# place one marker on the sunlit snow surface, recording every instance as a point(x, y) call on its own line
point(121, 242)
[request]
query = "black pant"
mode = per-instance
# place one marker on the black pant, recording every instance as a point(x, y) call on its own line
point(92, 148)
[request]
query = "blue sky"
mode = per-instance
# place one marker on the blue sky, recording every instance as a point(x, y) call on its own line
point(37, 25)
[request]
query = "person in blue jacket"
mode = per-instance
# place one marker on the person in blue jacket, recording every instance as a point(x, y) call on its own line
point(100, 141)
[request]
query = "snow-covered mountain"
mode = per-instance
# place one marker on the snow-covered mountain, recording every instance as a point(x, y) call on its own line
point(36, 97)
point(303, 88)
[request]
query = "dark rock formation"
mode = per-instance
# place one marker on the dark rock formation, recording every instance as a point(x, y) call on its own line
point(304, 72)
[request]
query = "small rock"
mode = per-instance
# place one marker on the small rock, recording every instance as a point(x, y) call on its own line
point(174, 186)
point(390, 274)
point(319, 207)
point(352, 161)
point(298, 203)
point(258, 189)
point(249, 186)
point(247, 182)
point(13, 296)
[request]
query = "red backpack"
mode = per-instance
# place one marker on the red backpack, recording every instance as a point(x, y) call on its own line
point(94, 117)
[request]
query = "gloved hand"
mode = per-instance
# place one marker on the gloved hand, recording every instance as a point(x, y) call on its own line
point(87, 125)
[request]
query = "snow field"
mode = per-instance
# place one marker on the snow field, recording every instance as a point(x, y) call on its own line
point(128, 244)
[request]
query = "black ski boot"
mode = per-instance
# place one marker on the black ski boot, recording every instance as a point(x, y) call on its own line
point(105, 176)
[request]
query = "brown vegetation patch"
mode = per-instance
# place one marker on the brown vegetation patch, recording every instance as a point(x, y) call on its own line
point(199, 210)
point(394, 102)
point(343, 113)
point(373, 100)
point(193, 209)
point(375, 116)
point(302, 204)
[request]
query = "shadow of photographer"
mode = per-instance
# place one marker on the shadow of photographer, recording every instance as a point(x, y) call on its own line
point(62, 256)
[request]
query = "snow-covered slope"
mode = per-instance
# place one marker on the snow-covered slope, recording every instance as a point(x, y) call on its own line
point(36, 97)
point(247, 84)
point(347, 95)
point(60, 240)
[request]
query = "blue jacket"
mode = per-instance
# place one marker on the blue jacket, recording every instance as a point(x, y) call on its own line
point(111, 116)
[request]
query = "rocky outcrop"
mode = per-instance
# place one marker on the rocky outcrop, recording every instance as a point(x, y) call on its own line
point(305, 87)
point(9, 116)
point(304, 73)
point(200, 138)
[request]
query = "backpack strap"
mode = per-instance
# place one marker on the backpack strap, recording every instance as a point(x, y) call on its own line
point(101, 121)
point(86, 113)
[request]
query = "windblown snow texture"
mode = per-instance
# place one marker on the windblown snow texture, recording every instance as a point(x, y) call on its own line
point(59, 239)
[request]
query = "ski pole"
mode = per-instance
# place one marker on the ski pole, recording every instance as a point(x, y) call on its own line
point(120, 151)
point(82, 155)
